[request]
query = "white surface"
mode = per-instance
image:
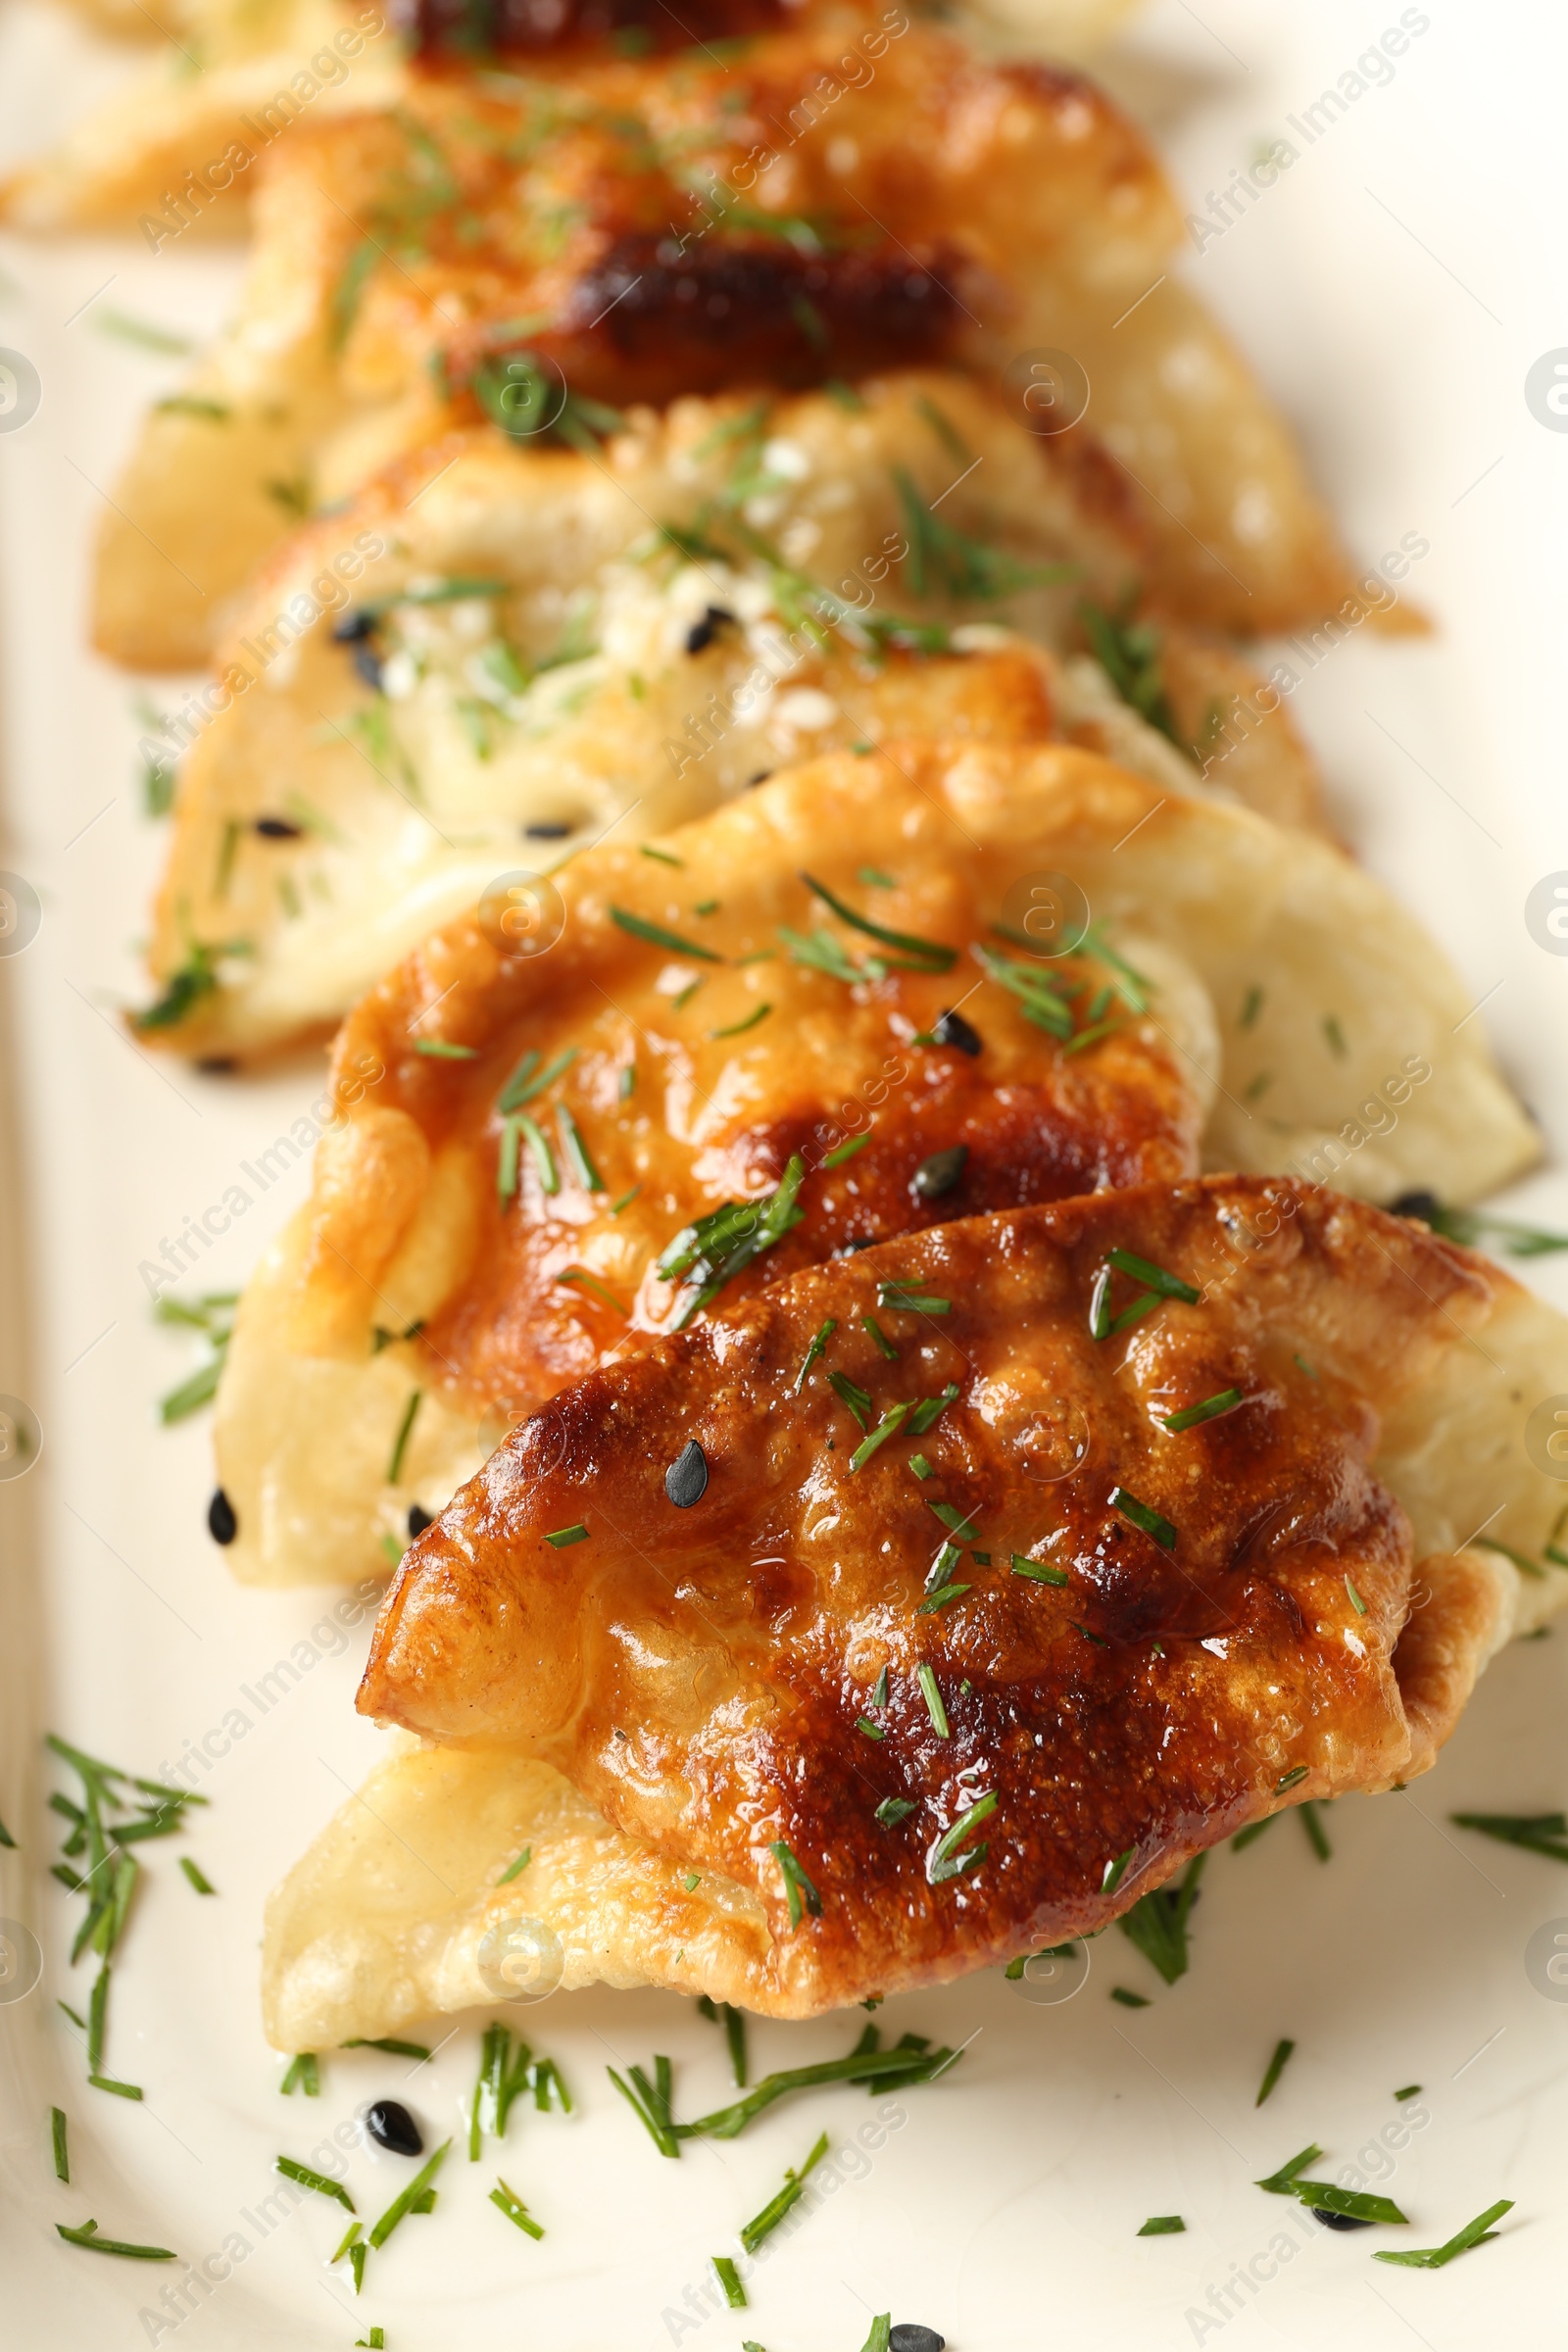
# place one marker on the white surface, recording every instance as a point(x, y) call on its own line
point(1003, 2209)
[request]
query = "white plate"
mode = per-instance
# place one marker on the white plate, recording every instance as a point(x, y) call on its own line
point(1397, 285)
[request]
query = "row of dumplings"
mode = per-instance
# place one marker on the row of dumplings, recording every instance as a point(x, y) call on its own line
point(844, 1271)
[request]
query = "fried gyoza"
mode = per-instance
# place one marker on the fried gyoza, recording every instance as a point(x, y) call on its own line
point(520, 1258)
point(262, 65)
point(789, 214)
point(947, 1657)
point(547, 639)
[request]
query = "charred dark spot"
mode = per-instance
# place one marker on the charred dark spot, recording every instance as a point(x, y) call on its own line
point(218, 1066)
point(278, 828)
point(1424, 1205)
point(352, 629)
point(649, 321)
point(419, 1521)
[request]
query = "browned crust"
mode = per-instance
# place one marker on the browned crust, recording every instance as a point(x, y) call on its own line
point(1148, 1710)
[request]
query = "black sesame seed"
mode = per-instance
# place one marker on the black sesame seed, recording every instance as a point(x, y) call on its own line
point(221, 1524)
point(1415, 1204)
point(686, 1479)
point(218, 1066)
point(350, 627)
point(940, 1173)
point(761, 777)
point(910, 2337)
point(369, 665)
point(699, 636)
point(419, 1521)
point(953, 1030)
point(550, 832)
point(1338, 2221)
point(278, 828)
point(391, 2126)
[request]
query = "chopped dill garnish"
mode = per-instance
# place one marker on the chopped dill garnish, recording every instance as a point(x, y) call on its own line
point(1157, 1922)
point(1310, 1815)
point(797, 1885)
point(750, 1020)
point(848, 1392)
point(1151, 1522)
point(765, 2222)
point(1283, 2051)
point(931, 1408)
point(656, 935)
point(411, 2198)
point(578, 1157)
point(529, 1080)
point(1129, 654)
point(87, 2236)
point(890, 1423)
point(1037, 992)
point(926, 1676)
point(942, 556)
point(399, 1443)
point(307, 2179)
point(946, 1861)
point(1537, 1833)
point(1193, 1415)
point(1040, 1570)
point(729, 2279)
point(1114, 1871)
point(930, 953)
point(711, 1250)
point(818, 1347)
point(897, 1298)
point(1477, 2232)
point(513, 2206)
point(212, 1315)
point(1153, 1277)
point(1282, 2183)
